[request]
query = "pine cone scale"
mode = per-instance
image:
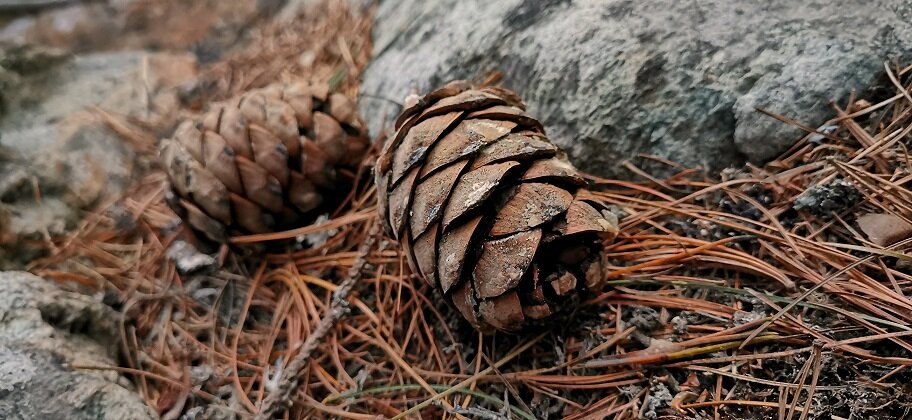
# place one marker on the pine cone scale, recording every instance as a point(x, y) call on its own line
point(416, 142)
point(430, 196)
point(399, 201)
point(452, 252)
point(553, 169)
point(426, 255)
point(531, 205)
point(503, 262)
point(269, 153)
point(504, 312)
point(220, 161)
point(474, 188)
point(464, 140)
point(514, 147)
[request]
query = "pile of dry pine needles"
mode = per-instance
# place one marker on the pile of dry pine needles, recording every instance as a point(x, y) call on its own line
point(764, 293)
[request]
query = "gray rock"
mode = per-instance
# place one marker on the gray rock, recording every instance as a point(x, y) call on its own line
point(53, 146)
point(188, 259)
point(612, 79)
point(43, 330)
point(29, 5)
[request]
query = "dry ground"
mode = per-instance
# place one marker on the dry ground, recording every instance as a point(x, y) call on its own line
point(773, 292)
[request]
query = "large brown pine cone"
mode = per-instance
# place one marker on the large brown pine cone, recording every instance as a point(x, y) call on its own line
point(269, 159)
point(488, 210)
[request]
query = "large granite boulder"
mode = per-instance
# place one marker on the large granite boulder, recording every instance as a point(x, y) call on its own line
point(43, 331)
point(614, 78)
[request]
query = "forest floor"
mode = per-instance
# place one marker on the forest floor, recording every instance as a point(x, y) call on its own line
point(779, 291)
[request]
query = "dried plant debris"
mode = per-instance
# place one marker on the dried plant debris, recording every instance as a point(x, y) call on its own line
point(716, 260)
point(829, 198)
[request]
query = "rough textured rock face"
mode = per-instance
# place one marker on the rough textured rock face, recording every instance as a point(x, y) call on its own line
point(611, 79)
point(43, 328)
point(53, 146)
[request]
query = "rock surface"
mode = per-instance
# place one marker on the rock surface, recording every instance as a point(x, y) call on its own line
point(57, 156)
point(206, 26)
point(612, 79)
point(42, 330)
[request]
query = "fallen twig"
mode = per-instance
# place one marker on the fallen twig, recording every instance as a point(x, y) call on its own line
point(280, 397)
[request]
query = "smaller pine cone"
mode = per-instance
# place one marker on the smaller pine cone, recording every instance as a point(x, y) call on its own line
point(488, 210)
point(269, 159)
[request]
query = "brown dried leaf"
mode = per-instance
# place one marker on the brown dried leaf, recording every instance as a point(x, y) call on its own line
point(531, 205)
point(503, 262)
point(474, 188)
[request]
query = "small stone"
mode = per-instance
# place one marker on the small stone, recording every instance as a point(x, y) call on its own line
point(43, 329)
point(827, 199)
point(188, 259)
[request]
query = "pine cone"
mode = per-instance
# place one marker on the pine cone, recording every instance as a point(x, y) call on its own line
point(269, 159)
point(488, 210)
